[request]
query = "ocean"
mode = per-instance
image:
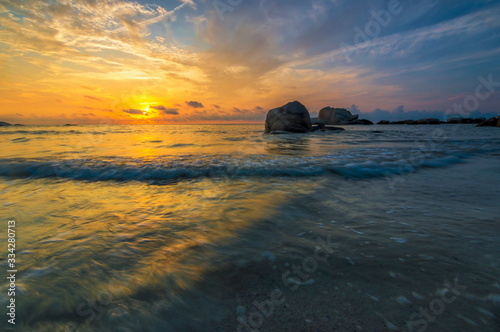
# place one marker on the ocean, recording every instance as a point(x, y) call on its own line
point(227, 228)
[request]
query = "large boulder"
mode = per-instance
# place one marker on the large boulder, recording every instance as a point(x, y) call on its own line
point(336, 116)
point(4, 124)
point(491, 122)
point(340, 116)
point(292, 117)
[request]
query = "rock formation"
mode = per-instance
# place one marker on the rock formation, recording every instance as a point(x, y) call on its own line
point(465, 120)
point(340, 116)
point(411, 122)
point(429, 121)
point(292, 117)
point(491, 122)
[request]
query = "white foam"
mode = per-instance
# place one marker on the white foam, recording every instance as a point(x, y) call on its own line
point(402, 300)
point(391, 326)
point(399, 240)
point(269, 256)
point(469, 321)
point(485, 312)
point(418, 296)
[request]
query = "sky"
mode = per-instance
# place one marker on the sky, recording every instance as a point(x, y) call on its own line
point(206, 61)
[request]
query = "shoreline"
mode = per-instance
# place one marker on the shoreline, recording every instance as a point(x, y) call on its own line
point(227, 254)
point(353, 291)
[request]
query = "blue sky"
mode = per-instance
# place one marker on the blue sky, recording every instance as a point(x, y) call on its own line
point(402, 56)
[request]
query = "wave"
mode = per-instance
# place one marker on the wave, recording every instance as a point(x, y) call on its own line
point(349, 165)
point(58, 132)
point(34, 132)
point(179, 145)
point(374, 170)
point(20, 140)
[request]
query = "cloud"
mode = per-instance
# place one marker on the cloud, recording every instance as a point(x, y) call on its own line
point(353, 109)
point(194, 104)
point(83, 34)
point(159, 107)
point(171, 111)
point(257, 114)
point(166, 111)
point(93, 98)
point(134, 111)
point(266, 53)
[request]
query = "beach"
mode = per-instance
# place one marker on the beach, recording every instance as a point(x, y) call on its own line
point(227, 228)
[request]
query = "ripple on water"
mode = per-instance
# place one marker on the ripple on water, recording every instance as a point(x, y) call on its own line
point(20, 140)
point(399, 240)
point(36, 273)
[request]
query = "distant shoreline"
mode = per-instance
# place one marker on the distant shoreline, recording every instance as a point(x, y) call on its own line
point(425, 121)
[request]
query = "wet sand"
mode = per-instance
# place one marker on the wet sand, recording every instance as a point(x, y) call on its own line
point(426, 253)
point(302, 251)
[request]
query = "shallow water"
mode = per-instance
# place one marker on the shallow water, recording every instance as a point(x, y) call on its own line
point(176, 228)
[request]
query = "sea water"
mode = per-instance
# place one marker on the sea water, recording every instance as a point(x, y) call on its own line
point(227, 228)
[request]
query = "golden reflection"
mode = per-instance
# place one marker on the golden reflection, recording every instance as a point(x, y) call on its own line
point(132, 240)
